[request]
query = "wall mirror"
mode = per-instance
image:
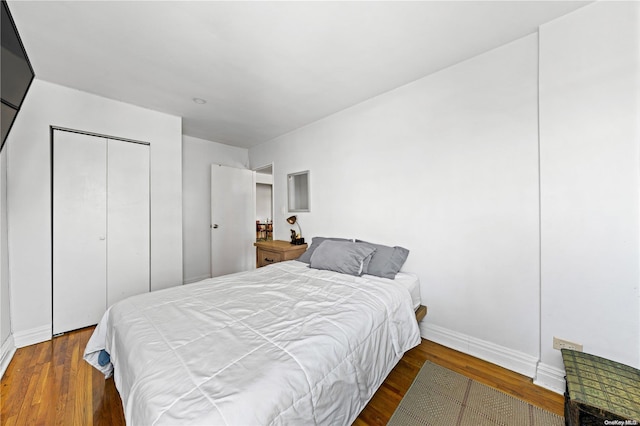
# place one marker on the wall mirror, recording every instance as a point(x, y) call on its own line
point(298, 191)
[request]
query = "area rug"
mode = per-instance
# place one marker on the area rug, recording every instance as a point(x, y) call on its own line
point(439, 396)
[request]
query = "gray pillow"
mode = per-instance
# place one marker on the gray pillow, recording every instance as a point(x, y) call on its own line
point(315, 242)
point(340, 256)
point(386, 261)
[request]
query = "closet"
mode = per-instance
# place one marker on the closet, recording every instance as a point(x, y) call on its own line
point(101, 225)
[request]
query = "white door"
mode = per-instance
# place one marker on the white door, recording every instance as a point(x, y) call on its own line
point(233, 229)
point(100, 226)
point(128, 259)
point(79, 230)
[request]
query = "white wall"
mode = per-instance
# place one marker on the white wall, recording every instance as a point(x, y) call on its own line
point(589, 144)
point(29, 192)
point(510, 253)
point(7, 347)
point(197, 157)
point(5, 307)
point(446, 166)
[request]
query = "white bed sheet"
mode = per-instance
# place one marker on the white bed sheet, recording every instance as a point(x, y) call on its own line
point(407, 280)
point(284, 344)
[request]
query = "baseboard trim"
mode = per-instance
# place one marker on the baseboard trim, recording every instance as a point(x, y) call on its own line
point(7, 351)
point(505, 357)
point(551, 378)
point(196, 279)
point(32, 336)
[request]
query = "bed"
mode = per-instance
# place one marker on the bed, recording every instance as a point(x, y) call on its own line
point(283, 344)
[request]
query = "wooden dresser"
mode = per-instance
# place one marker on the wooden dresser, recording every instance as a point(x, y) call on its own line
point(268, 252)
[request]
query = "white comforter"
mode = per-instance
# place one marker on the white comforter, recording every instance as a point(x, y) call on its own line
point(284, 344)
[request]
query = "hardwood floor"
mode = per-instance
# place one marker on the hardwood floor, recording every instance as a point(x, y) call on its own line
point(388, 396)
point(50, 384)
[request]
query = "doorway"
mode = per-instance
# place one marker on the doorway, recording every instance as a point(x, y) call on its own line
point(264, 203)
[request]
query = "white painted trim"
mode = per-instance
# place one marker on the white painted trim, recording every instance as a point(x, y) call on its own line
point(551, 378)
point(196, 279)
point(7, 351)
point(264, 179)
point(32, 336)
point(505, 357)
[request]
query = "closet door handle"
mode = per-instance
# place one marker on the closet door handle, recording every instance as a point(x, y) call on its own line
point(102, 238)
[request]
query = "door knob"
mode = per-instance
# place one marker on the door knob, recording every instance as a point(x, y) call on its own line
point(215, 226)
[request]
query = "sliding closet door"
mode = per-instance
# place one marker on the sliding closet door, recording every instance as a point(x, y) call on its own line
point(79, 230)
point(127, 220)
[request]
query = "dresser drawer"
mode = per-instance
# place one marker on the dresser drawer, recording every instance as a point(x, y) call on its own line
point(266, 257)
point(268, 252)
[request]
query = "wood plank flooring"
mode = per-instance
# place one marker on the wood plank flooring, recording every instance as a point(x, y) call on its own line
point(50, 384)
point(388, 396)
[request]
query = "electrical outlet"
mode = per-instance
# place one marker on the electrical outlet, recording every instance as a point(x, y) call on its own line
point(565, 344)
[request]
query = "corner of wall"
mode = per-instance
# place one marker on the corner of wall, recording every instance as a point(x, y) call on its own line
point(20, 340)
point(32, 336)
point(550, 378)
point(7, 351)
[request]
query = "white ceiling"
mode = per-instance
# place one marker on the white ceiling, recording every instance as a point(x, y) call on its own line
point(265, 68)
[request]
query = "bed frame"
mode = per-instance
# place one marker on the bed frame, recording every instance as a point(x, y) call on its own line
point(421, 312)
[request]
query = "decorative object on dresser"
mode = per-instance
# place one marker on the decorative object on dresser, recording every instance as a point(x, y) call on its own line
point(268, 252)
point(264, 230)
point(295, 238)
point(600, 391)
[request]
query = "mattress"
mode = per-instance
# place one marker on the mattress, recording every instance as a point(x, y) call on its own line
point(407, 280)
point(284, 344)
